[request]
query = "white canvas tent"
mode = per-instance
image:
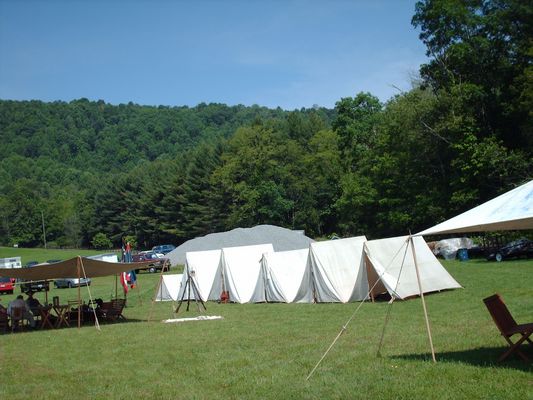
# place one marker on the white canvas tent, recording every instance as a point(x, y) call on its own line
point(204, 267)
point(169, 287)
point(510, 211)
point(388, 258)
point(283, 273)
point(240, 268)
point(336, 270)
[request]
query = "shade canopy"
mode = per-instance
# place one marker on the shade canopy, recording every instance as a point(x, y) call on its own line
point(69, 269)
point(510, 211)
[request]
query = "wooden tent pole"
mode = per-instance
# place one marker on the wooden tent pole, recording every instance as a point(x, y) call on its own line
point(138, 290)
point(422, 297)
point(79, 291)
point(158, 286)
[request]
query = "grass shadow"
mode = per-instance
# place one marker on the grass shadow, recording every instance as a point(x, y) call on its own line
point(480, 357)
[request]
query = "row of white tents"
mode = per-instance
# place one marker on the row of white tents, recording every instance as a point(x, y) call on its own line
point(342, 270)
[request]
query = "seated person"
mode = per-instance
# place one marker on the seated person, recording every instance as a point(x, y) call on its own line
point(20, 303)
point(33, 304)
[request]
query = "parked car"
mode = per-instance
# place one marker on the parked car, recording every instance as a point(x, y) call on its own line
point(34, 286)
point(163, 248)
point(31, 263)
point(71, 282)
point(518, 248)
point(53, 261)
point(7, 285)
point(153, 262)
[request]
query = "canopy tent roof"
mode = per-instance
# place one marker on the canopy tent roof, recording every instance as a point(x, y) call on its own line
point(69, 269)
point(510, 211)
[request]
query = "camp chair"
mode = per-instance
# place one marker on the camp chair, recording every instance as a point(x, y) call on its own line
point(4, 320)
point(508, 326)
point(75, 307)
point(17, 318)
point(112, 311)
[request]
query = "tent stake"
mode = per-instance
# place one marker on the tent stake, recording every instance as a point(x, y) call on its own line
point(422, 297)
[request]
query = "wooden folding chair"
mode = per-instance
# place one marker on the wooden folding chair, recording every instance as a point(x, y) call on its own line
point(508, 326)
point(17, 318)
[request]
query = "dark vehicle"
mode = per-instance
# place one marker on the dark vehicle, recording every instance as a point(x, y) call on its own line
point(53, 261)
point(31, 263)
point(516, 249)
point(7, 285)
point(34, 286)
point(163, 248)
point(153, 262)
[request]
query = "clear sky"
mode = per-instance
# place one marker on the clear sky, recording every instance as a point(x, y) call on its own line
point(291, 53)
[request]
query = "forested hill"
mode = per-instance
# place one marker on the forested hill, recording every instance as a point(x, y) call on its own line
point(59, 159)
point(101, 137)
point(94, 172)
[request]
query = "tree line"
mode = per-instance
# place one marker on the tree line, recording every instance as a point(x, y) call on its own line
point(460, 136)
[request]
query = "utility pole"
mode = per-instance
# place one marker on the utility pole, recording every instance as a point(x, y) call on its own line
point(44, 232)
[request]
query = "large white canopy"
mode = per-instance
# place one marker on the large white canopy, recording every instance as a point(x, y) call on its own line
point(337, 271)
point(510, 211)
point(241, 268)
point(393, 257)
point(283, 273)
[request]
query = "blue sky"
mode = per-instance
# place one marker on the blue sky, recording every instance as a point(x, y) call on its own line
point(273, 53)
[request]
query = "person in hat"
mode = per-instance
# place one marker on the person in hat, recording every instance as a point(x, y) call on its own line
point(33, 303)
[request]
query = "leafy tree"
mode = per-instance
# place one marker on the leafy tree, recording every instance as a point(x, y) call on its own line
point(101, 241)
point(356, 126)
point(481, 51)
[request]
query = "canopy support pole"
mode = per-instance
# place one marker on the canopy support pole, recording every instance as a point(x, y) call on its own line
point(78, 262)
point(96, 322)
point(422, 298)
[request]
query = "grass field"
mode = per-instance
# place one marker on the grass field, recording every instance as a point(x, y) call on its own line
point(266, 350)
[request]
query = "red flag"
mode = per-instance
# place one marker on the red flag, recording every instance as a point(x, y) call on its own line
point(124, 282)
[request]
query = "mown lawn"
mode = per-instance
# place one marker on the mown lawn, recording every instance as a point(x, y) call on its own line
point(267, 350)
